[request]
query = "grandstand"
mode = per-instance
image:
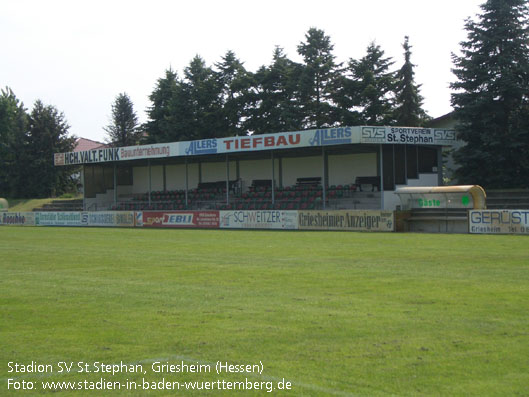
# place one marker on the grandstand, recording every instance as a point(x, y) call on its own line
point(337, 168)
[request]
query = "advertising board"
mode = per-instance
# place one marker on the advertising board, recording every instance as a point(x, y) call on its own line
point(407, 135)
point(17, 218)
point(265, 219)
point(70, 218)
point(181, 219)
point(111, 218)
point(498, 221)
point(354, 220)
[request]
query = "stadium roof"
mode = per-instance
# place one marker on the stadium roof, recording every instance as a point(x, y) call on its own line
point(266, 142)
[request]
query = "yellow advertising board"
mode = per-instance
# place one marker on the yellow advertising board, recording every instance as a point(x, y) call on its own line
point(353, 220)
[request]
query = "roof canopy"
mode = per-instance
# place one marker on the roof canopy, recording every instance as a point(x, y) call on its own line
point(281, 140)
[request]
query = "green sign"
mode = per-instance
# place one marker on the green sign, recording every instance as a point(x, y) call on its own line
point(429, 203)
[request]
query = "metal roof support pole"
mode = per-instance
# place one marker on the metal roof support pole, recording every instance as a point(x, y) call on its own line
point(273, 178)
point(381, 189)
point(84, 187)
point(115, 185)
point(187, 181)
point(227, 180)
point(150, 180)
point(440, 166)
point(324, 182)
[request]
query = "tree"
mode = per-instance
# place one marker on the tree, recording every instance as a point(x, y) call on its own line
point(491, 96)
point(408, 101)
point(373, 85)
point(275, 106)
point(13, 129)
point(202, 92)
point(318, 79)
point(159, 126)
point(235, 83)
point(123, 129)
point(47, 135)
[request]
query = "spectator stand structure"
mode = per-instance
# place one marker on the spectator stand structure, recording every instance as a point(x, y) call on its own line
point(335, 168)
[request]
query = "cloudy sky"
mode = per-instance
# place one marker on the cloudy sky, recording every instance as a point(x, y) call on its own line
point(78, 55)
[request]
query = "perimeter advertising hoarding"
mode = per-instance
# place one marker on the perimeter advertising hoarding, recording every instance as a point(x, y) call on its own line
point(17, 218)
point(111, 218)
point(70, 218)
point(498, 221)
point(365, 221)
point(180, 219)
point(265, 219)
point(75, 218)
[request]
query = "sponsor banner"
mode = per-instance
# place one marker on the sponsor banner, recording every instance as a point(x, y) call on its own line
point(354, 220)
point(111, 218)
point(265, 219)
point(408, 135)
point(139, 219)
point(117, 154)
point(287, 140)
point(17, 218)
point(183, 219)
point(70, 218)
point(498, 221)
point(282, 140)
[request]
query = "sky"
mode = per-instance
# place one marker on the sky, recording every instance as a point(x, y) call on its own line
point(78, 55)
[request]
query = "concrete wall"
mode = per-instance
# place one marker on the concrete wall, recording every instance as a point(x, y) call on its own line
point(301, 167)
point(258, 169)
point(343, 169)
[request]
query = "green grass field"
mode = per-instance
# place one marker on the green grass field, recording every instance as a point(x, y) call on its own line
point(335, 314)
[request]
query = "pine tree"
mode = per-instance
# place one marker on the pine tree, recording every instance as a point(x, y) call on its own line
point(276, 100)
point(373, 85)
point(202, 91)
point(491, 98)
point(123, 129)
point(236, 83)
point(159, 126)
point(318, 80)
point(408, 101)
point(47, 135)
point(13, 130)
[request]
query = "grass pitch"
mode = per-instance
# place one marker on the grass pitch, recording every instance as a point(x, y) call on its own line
point(345, 314)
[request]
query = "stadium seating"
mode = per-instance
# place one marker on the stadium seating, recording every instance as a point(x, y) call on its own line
point(307, 193)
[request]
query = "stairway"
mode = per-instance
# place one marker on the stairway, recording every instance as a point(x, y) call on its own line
point(62, 205)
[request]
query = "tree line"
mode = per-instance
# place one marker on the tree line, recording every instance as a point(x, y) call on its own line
point(28, 141)
point(490, 100)
point(227, 100)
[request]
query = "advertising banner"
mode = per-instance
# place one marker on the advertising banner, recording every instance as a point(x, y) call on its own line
point(117, 154)
point(281, 140)
point(181, 219)
point(111, 218)
point(17, 218)
point(139, 219)
point(498, 221)
point(354, 220)
point(265, 219)
point(71, 218)
point(408, 135)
